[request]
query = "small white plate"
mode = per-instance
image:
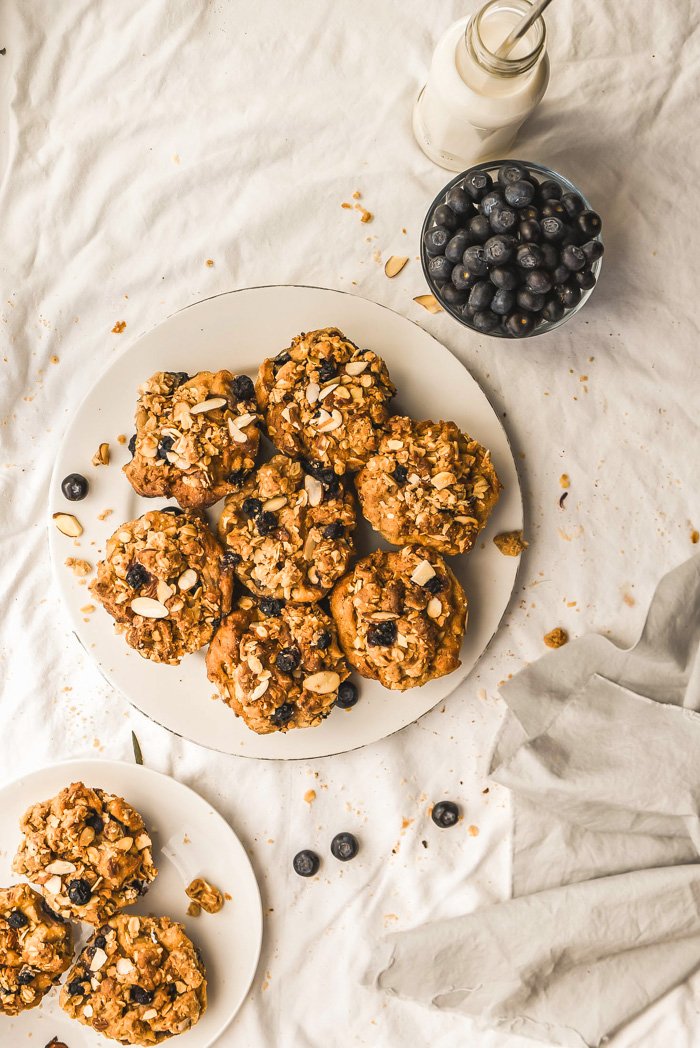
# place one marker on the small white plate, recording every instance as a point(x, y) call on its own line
point(190, 840)
point(237, 331)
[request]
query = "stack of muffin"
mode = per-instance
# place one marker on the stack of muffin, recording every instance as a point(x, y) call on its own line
point(280, 653)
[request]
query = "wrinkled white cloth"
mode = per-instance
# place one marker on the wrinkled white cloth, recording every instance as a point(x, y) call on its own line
point(607, 911)
point(138, 140)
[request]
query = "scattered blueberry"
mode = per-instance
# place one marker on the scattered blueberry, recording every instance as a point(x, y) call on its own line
point(137, 576)
point(271, 606)
point(445, 814)
point(382, 634)
point(288, 659)
point(344, 846)
point(243, 388)
point(460, 202)
point(100, 942)
point(400, 473)
point(435, 584)
point(26, 976)
point(76, 988)
point(132, 444)
point(251, 508)
point(17, 919)
point(334, 530)
point(283, 714)
point(140, 996)
point(306, 863)
point(323, 641)
point(79, 892)
point(74, 487)
point(347, 695)
point(165, 445)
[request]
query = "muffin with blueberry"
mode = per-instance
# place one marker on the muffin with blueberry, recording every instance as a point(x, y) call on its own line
point(325, 400)
point(277, 665)
point(88, 852)
point(196, 438)
point(429, 483)
point(36, 948)
point(290, 535)
point(139, 980)
point(166, 582)
point(401, 617)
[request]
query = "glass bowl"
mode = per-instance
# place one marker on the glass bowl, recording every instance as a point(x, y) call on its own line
point(491, 167)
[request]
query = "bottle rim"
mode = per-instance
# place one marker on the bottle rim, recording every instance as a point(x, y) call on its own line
point(481, 54)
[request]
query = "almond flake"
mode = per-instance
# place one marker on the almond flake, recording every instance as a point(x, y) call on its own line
point(187, 580)
point(143, 841)
point(260, 690)
point(423, 572)
point(208, 405)
point(98, 960)
point(335, 420)
point(133, 926)
point(328, 390)
point(322, 683)
point(53, 885)
point(356, 367)
point(394, 445)
point(101, 456)
point(163, 591)
point(151, 1013)
point(314, 489)
point(87, 1011)
point(443, 480)
point(394, 265)
point(312, 391)
point(124, 844)
point(124, 966)
point(60, 867)
point(383, 616)
point(244, 420)
point(428, 302)
point(148, 608)
point(275, 503)
point(434, 608)
point(320, 419)
point(68, 525)
point(285, 414)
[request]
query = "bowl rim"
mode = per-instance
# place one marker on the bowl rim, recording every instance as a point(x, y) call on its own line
point(490, 165)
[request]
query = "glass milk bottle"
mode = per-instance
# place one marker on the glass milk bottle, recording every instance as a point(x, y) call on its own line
point(474, 102)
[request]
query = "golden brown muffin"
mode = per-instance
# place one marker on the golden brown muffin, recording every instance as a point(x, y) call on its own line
point(166, 582)
point(428, 483)
point(401, 617)
point(196, 438)
point(88, 851)
point(277, 665)
point(36, 948)
point(139, 980)
point(323, 399)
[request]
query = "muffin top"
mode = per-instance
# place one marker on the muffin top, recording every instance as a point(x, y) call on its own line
point(36, 947)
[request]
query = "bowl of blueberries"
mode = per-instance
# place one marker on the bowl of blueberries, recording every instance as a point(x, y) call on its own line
point(511, 249)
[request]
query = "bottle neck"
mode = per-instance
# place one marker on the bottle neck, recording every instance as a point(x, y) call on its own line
point(486, 31)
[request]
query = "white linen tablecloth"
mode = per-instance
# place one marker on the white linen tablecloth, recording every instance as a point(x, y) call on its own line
point(140, 140)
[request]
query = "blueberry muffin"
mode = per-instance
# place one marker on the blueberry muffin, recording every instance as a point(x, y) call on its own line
point(166, 583)
point(36, 948)
point(277, 665)
point(139, 980)
point(88, 852)
point(324, 400)
point(401, 617)
point(196, 438)
point(428, 483)
point(290, 535)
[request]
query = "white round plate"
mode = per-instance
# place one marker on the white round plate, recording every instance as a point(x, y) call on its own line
point(190, 840)
point(236, 331)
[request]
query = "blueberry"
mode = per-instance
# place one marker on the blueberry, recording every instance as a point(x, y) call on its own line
point(569, 295)
point(288, 659)
point(498, 250)
point(74, 487)
point(529, 256)
point(173, 511)
point(474, 258)
point(539, 281)
point(306, 863)
point(589, 222)
point(347, 695)
point(165, 445)
point(519, 194)
point(530, 231)
point(435, 584)
point(382, 634)
point(76, 988)
point(323, 641)
point(94, 820)
point(479, 228)
point(593, 250)
point(512, 172)
point(460, 202)
point(573, 257)
point(529, 300)
point(561, 274)
point(138, 995)
point(550, 190)
point(572, 204)
point(445, 814)
point(132, 444)
point(443, 215)
point(552, 227)
point(137, 576)
point(457, 246)
point(334, 530)
point(452, 295)
point(480, 295)
point(17, 919)
point(553, 208)
point(503, 301)
point(243, 388)
point(440, 267)
point(25, 977)
point(266, 522)
point(435, 240)
point(79, 892)
point(283, 714)
point(553, 310)
point(251, 508)
point(344, 846)
point(485, 320)
point(476, 183)
point(504, 277)
point(585, 279)
point(172, 991)
point(100, 942)
point(528, 214)
point(491, 201)
point(503, 219)
point(463, 277)
point(327, 369)
point(280, 360)
point(550, 255)
point(229, 560)
point(271, 606)
point(178, 378)
point(520, 324)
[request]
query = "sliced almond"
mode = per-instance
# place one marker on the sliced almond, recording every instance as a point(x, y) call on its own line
point(143, 841)
point(356, 367)
point(148, 608)
point(238, 435)
point(187, 580)
point(244, 420)
point(60, 866)
point(434, 608)
point(335, 420)
point(68, 525)
point(383, 616)
point(88, 1011)
point(133, 926)
point(394, 445)
point(342, 393)
point(310, 546)
point(320, 418)
point(314, 489)
point(423, 572)
point(285, 414)
point(260, 690)
point(401, 640)
point(124, 966)
point(163, 591)
point(98, 960)
point(124, 844)
point(395, 264)
point(322, 683)
point(255, 665)
point(208, 405)
point(101, 456)
point(443, 480)
point(53, 885)
point(428, 302)
point(328, 389)
point(275, 503)
point(312, 392)
point(149, 1014)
